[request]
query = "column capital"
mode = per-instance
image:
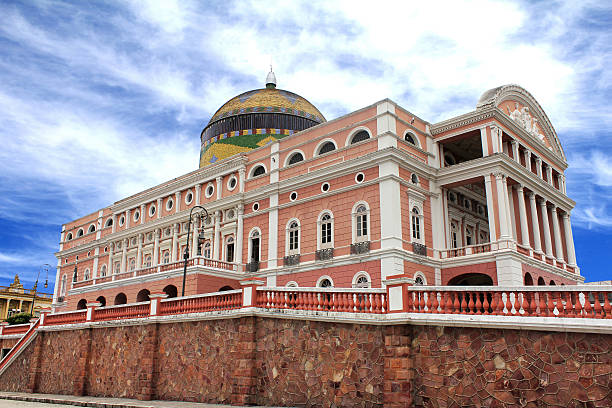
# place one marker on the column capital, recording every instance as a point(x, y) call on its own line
point(125, 242)
point(498, 175)
point(565, 215)
point(538, 160)
point(176, 227)
point(542, 201)
point(240, 209)
point(140, 238)
point(514, 142)
point(219, 179)
point(531, 195)
point(198, 185)
point(111, 246)
point(519, 187)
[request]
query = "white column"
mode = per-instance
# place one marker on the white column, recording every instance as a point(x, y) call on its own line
point(127, 218)
point(198, 193)
point(557, 232)
point(194, 237)
point(511, 214)
point(109, 266)
point(114, 228)
point(527, 154)
point(522, 215)
point(142, 213)
point(272, 238)
point(390, 219)
point(217, 239)
point(177, 202)
point(569, 240)
point(174, 254)
point(535, 224)
point(124, 255)
point(490, 209)
point(139, 253)
point(94, 273)
point(484, 142)
point(156, 247)
point(549, 174)
point(496, 139)
point(560, 182)
point(502, 199)
point(539, 166)
point(219, 187)
point(240, 234)
point(159, 207)
point(564, 185)
point(546, 226)
point(515, 150)
point(241, 178)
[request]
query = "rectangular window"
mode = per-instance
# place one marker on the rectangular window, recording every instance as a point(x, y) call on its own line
point(362, 225)
point(326, 233)
point(293, 240)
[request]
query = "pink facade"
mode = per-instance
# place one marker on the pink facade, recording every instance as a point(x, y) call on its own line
point(476, 199)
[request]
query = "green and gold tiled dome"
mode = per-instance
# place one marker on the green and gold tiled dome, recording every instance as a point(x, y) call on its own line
point(253, 119)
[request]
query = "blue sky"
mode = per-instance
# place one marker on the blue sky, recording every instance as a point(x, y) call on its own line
point(101, 100)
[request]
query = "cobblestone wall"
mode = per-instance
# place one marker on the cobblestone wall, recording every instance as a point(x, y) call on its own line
point(308, 363)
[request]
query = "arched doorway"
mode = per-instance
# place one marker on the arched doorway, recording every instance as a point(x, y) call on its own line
point(101, 300)
point(120, 299)
point(471, 279)
point(143, 296)
point(528, 280)
point(171, 291)
point(541, 281)
point(225, 288)
point(82, 305)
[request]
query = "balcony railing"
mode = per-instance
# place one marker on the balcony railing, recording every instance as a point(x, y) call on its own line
point(291, 260)
point(324, 254)
point(360, 247)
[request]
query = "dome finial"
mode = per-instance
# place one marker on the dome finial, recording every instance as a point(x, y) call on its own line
point(271, 79)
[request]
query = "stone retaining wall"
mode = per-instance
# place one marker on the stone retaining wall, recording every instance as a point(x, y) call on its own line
point(266, 361)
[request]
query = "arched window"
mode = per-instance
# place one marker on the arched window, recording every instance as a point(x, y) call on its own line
point(74, 275)
point(207, 250)
point(483, 237)
point(293, 238)
point(109, 223)
point(361, 280)
point(101, 300)
point(325, 283)
point(147, 261)
point(258, 171)
point(171, 291)
point(103, 271)
point(143, 296)
point(225, 288)
point(326, 231)
point(454, 235)
point(132, 264)
point(411, 138)
point(327, 147)
point(254, 241)
point(528, 279)
point(360, 218)
point(229, 249)
point(419, 279)
point(82, 305)
point(117, 267)
point(295, 158)
point(416, 224)
point(541, 281)
point(166, 257)
point(92, 228)
point(69, 236)
point(87, 275)
point(80, 232)
point(120, 299)
point(360, 136)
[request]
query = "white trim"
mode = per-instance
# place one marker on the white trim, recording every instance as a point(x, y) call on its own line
point(250, 246)
point(354, 238)
point(296, 196)
point(187, 193)
point(321, 143)
point(320, 245)
point(80, 233)
point(357, 181)
point(290, 155)
point(253, 206)
point(136, 215)
point(168, 205)
point(417, 142)
point(292, 284)
point(89, 228)
point(422, 276)
point(229, 180)
point(299, 244)
point(328, 187)
point(323, 277)
point(354, 132)
point(210, 184)
point(152, 209)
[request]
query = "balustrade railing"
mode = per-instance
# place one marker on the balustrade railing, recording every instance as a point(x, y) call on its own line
point(231, 299)
point(327, 300)
point(77, 316)
point(521, 301)
point(129, 311)
point(15, 329)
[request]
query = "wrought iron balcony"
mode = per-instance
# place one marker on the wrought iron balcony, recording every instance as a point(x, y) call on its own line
point(324, 254)
point(419, 249)
point(252, 266)
point(291, 260)
point(360, 247)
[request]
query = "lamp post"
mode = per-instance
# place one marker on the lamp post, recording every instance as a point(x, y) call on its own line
point(46, 268)
point(203, 215)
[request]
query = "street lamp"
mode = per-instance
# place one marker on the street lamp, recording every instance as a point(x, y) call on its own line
point(203, 215)
point(46, 268)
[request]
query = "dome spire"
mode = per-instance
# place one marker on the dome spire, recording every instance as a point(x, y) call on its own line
point(271, 79)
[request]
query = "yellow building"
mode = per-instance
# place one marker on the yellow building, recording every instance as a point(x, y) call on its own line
point(15, 299)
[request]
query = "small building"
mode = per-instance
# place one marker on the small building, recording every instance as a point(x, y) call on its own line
point(15, 299)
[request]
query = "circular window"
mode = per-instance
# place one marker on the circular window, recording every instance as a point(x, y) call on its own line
point(230, 214)
point(414, 178)
point(325, 187)
point(152, 210)
point(136, 215)
point(188, 197)
point(293, 196)
point(106, 249)
point(255, 206)
point(359, 177)
point(210, 190)
point(232, 183)
point(169, 204)
point(121, 221)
